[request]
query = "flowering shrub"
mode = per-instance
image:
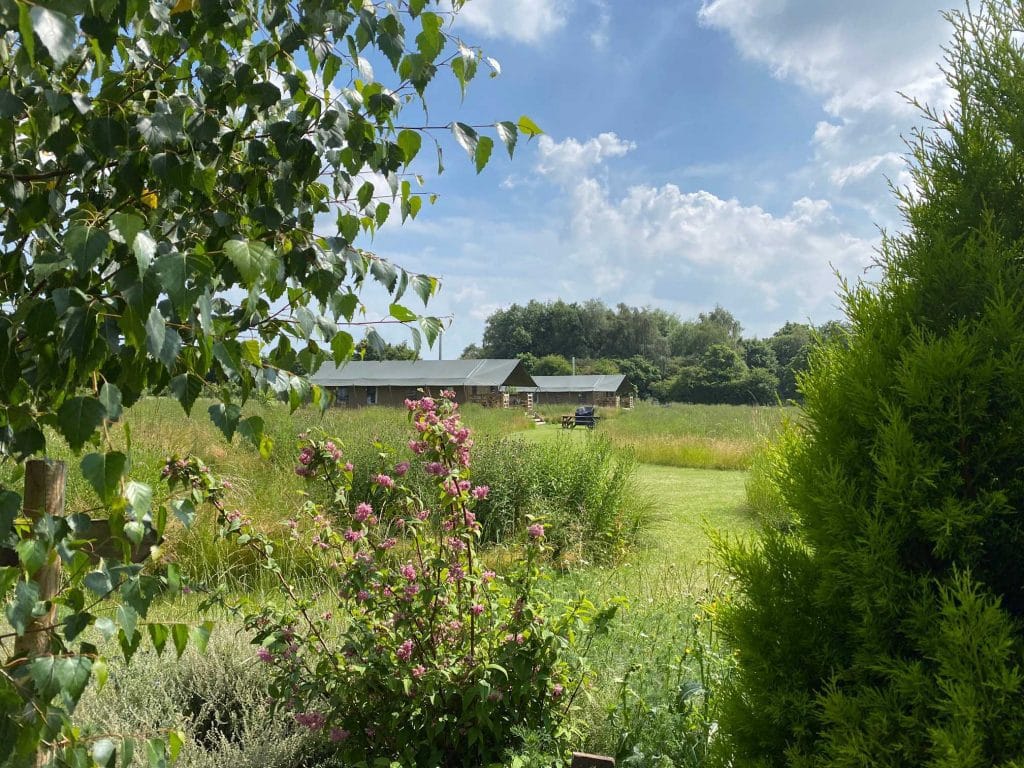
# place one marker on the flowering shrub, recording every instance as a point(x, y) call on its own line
point(413, 651)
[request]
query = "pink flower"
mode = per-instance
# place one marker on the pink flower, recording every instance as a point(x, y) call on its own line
point(404, 651)
point(487, 576)
point(384, 481)
point(306, 455)
point(353, 536)
point(481, 491)
point(264, 654)
point(417, 447)
point(401, 468)
point(476, 609)
point(436, 468)
point(312, 720)
point(448, 394)
point(362, 596)
point(557, 691)
point(388, 543)
point(419, 671)
point(408, 571)
point(348, 466)
point(339, 734)
point(302, 471)
point(536, 531)
point(464, 485)
point(363, 511)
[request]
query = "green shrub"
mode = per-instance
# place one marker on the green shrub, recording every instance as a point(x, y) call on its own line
point(218, 699)
point(886, 628)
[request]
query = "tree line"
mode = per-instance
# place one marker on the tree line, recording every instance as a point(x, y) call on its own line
point(702, 360)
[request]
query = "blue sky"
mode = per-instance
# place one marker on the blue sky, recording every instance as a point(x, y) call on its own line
point(731, 152)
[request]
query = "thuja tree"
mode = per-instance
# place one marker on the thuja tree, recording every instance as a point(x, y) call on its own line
point(888, 628)
point(184, 186)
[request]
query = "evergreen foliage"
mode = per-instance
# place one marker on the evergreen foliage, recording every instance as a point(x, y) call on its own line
point(884, 626)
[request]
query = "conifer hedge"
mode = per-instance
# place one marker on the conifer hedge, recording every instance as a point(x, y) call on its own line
point(884, 626)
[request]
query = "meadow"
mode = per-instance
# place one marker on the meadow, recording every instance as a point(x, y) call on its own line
point(628, 524)
point(686, 435)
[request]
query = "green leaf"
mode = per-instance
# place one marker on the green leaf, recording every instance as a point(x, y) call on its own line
point(72, 674)
point(140, 496)
point(103, 750)
point(10, 507)
point(409, 142)
point(134, 531)
point(19, 611)
point(86, 246)
point(127, 619)
point(184, 510)
point(365, 194)
point(175, 741)
point(466, 136)
point(179, 636)
point(402, 314)
point(509, 134)
point(145, 251)
point(32, 554)
point(28, 38)
point(98, 582)
point(225, 417)
point(162, 342)
point(156, 753)
point(186, 387)
point(56, 32)
point(100, 672)
point(483, 152)
point(78, 419)
point(104, 472)
point(530, 128)
point(251, 350)
point(125, 226)
point(158, 634)
point(252, 430)
point(342, 347)
point(253, 260)
point(200, 635)
point(110, 398)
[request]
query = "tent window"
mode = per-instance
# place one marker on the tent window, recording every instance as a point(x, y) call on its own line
point(371, 395)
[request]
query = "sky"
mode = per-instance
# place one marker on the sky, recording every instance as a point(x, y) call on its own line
point(696, 152)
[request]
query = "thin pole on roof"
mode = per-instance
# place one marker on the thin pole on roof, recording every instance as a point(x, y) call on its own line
point(573, 365)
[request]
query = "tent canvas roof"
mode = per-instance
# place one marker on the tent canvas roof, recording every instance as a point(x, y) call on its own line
point(591, 383)
point(424, 373)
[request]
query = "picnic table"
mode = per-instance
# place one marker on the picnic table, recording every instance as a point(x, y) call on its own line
point(585, 416)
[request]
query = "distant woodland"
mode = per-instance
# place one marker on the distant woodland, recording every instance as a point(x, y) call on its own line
point(703, 360)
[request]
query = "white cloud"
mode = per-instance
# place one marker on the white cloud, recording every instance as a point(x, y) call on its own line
point(566, 160)
point(599, 35)
point(526, 21)
point(858, 57)
point(661, 245)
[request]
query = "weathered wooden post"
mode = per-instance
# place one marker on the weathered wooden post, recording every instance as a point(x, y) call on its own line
point(44, 495)
point(583, 760)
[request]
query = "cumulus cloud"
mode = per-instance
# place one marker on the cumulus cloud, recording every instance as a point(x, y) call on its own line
point(858, 57)
point(567, 160)
point(663, 245)
point(525, 21)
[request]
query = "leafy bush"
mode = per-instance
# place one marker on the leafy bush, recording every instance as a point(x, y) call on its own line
point(433, 659)
point(886, 629)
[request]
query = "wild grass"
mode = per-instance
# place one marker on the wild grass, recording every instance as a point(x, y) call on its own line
point(653, 699)
point(697, 436)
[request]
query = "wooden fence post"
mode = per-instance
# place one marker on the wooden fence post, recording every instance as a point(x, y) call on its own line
point(44, 495)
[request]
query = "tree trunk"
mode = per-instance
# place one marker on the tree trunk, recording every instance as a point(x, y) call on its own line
point(44, 495)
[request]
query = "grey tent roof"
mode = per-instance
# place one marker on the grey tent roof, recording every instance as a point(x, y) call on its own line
point(592, 383)
point(424, 373)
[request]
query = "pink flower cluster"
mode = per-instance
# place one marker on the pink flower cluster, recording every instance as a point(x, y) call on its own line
point(312, 720)
point(404, 651)
point(535, 531)
point(384, 481)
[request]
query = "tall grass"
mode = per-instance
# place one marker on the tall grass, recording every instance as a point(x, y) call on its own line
point(698, 436)
point(585, 491)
